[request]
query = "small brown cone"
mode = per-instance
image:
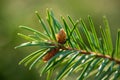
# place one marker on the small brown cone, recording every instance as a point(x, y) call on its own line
point(50, 54)
point(61, 36)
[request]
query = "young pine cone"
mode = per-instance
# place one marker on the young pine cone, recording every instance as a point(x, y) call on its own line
point(61, 36)
point(50, 54)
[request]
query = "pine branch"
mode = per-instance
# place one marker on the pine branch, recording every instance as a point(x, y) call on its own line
point(63, 45)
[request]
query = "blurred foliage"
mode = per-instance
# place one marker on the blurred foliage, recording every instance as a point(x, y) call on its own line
point(21, 12)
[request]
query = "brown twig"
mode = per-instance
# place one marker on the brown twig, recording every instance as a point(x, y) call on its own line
point(96, 54)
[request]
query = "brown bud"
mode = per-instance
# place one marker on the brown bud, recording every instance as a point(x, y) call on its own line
point(50, 54)
point(61, 36)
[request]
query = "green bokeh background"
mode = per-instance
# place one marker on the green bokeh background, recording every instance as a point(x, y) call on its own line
point(21, 12)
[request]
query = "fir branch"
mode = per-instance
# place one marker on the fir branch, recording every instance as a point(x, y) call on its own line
point(62, 45)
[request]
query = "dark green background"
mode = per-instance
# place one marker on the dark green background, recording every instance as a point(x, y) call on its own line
point(21, 12)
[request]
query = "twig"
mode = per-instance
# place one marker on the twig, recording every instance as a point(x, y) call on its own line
point(96, 54)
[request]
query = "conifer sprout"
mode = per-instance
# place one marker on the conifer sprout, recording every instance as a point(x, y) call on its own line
point(63, 46)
